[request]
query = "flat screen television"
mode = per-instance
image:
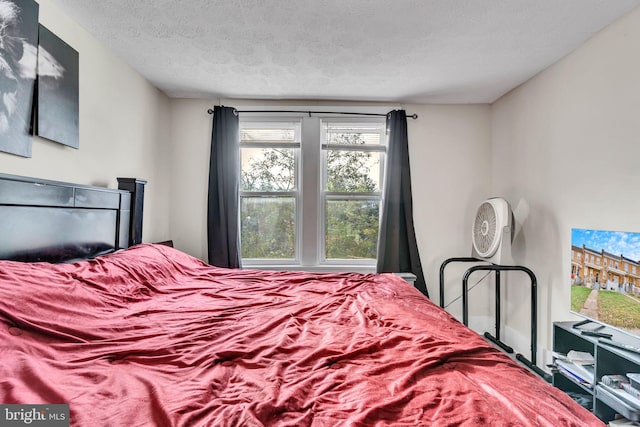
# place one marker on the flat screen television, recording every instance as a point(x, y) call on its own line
point(605, 277)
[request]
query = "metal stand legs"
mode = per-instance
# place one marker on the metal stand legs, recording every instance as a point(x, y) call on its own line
point(465, 305)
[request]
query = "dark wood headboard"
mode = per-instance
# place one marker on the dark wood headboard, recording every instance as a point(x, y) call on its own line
point(42, 220)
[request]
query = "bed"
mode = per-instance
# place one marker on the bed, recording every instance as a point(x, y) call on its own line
point(148, 335)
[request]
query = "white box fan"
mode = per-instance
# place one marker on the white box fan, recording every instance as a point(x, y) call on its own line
point(493, 231)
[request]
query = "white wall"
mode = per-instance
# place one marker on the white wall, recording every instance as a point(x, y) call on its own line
point(124, 128)
point(450, 162)
point(191, 141)
point(568, 143)
point(450, 155)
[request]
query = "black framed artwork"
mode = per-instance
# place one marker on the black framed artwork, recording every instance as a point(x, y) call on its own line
point(57, 113)
point(18, 61)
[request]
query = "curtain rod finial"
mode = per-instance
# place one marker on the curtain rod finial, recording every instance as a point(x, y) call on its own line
point(210, 111)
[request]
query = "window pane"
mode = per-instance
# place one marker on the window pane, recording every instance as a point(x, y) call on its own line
point(354, 133)
point(268, 169)
point(269, 132)
point(351, 229)
point(268, 227)
point(353, 171)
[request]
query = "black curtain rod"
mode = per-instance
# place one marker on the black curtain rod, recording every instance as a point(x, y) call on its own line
point(409, 116)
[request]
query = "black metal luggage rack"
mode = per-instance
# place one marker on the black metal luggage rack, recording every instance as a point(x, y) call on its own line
point(531, 364)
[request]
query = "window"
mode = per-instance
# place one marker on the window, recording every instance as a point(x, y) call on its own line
point(353, 155)
point(269, 155)
point(311, 190)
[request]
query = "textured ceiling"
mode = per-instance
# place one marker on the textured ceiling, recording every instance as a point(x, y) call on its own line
point(432, 51)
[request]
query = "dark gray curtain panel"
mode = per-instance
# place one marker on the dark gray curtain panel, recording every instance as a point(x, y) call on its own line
point(397, 246)
point(223, 235)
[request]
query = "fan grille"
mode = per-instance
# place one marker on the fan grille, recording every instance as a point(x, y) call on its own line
point(484, 229)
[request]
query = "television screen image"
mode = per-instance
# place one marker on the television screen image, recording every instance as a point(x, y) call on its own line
point(605, 277)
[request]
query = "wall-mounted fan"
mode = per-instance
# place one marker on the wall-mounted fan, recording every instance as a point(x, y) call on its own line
point(493, 231)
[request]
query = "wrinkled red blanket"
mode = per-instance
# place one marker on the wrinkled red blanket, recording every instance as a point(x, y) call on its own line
point(152, 336)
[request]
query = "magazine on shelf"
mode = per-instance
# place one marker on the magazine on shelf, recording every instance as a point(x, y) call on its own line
point(580, 357)
point(584, 374)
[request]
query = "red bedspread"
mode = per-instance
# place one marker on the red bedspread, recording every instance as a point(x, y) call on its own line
point(151, 336)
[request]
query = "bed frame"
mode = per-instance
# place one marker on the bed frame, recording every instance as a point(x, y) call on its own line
point(43, 220)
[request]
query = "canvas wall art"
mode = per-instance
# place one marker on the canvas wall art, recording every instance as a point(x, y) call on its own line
point(58, 109)
point(18, 61)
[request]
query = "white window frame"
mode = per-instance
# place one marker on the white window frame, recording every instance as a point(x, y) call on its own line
point(327, 195)
point(296, 194)
point(310, 197)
